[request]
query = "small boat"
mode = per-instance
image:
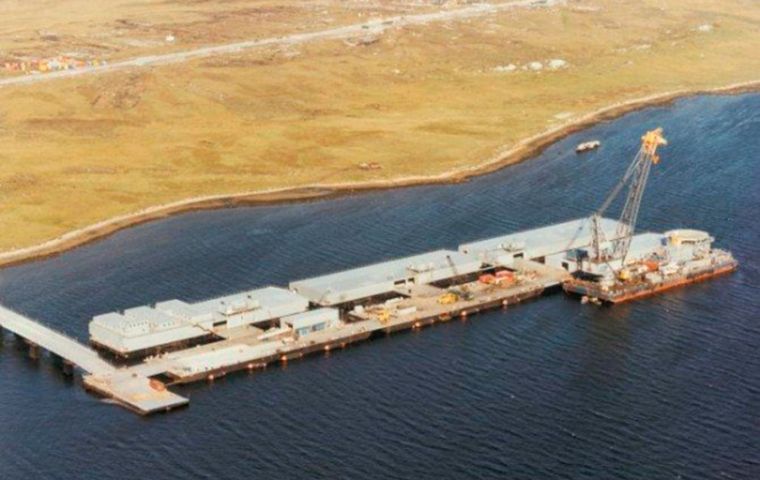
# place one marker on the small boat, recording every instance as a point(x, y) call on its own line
point(587, 146)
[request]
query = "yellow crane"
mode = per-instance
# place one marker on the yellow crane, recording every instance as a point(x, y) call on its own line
point(636, 178)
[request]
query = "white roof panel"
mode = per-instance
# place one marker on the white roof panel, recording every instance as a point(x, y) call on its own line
point(379, 278)
point(264, 298)
point(311, 318)
point(542, 241)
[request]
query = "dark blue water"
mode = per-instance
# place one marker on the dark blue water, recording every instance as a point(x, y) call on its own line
point(668, 387)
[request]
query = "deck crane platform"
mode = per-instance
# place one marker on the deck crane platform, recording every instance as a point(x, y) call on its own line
point(636, 178)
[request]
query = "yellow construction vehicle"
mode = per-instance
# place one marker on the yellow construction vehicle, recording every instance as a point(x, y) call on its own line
point(448, 298)
point(383, 316)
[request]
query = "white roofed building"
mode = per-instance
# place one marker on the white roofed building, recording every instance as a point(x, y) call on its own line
point(142, 330)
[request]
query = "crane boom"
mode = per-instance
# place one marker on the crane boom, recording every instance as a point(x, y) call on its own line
point(636, 178)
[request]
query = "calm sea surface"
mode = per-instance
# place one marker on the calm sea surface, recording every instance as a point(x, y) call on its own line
point(667, 387)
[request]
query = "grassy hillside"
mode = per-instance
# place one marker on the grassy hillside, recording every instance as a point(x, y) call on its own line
point(416, 100)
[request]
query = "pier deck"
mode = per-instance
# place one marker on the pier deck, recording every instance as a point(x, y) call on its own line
point(250, 331)
point(136, 392)
point(243, 349)
point(551, 276)
point(422, 304)
point(249, 347)
point(126, 387)
point(247, 352)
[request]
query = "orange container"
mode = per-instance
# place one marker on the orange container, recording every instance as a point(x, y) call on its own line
point(157, 385)
point(651, 265)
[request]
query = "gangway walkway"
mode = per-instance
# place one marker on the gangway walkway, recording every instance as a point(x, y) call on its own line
point(55, 342)
point(130, 388)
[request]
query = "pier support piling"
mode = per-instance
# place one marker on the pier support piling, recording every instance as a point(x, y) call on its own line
point(67, 366)
point(34, 350)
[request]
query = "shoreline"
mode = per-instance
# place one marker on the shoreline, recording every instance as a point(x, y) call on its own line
point(521, 151)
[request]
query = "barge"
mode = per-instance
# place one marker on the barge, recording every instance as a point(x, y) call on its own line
point(685, 257)
point(628, 266)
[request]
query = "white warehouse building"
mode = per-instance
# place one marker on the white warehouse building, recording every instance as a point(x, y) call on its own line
point(142, 330)
point(546, 244)
point(386, 277)
point(317, 320)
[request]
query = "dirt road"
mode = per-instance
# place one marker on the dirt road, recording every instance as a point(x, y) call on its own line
point(348, 31)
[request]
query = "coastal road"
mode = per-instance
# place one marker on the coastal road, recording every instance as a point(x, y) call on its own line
point(370, 27)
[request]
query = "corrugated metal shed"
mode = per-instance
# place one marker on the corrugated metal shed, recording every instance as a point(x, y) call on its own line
point(320, 316)
point(312, 321)
point(141, 328)
point(381, 278)
point(174, 320)
point(537, 243)
point(140, 321)
point(254, 306)
point(188, 313)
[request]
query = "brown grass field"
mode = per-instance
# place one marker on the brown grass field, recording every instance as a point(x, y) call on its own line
point(421, 100)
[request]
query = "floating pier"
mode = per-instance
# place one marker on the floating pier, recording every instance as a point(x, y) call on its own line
point(135, 355)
